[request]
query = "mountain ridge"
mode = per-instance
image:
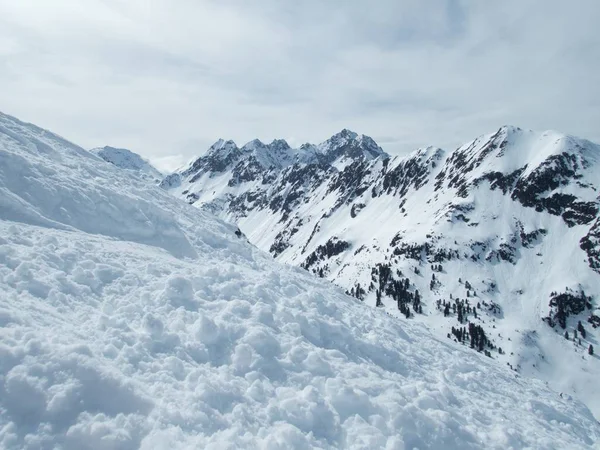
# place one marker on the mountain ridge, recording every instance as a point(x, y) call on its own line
point(503, 205)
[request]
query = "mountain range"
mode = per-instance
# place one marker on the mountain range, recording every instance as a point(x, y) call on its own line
point(494, 244)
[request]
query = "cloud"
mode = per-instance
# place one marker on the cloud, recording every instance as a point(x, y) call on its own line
point(168, 78)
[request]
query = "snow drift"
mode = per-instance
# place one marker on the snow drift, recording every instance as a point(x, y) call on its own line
point(130, 320)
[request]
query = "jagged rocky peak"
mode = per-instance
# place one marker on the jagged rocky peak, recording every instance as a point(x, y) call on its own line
point(253, 145)
point(279, 144)
point(350, 144)
point(342, 138)
point(218, 158)
point(223, 147)
point(277, 154)
point(345, 134)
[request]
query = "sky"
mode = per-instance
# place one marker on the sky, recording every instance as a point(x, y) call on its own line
point(167, 78)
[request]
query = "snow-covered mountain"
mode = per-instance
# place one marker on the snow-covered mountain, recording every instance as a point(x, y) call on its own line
point(126, 159)
point(494, 244)
point(130, 320)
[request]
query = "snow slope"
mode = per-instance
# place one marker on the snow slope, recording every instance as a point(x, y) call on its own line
point(507, 223)
point(126, 159)
point(130, 320)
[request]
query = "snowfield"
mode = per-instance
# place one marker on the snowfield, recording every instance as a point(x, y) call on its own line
point(129, 319)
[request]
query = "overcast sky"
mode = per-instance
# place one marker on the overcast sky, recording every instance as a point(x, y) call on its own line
point(166, 78)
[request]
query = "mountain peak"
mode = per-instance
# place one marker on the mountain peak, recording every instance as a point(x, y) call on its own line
point(222, 144)
point(126, 159)
point(510, 128)
point(279, 144)
point(346, 133)
point(253, 145)
point(350, 144)
point(276, 154)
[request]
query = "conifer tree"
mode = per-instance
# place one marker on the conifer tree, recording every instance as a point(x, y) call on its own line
point(581, 329)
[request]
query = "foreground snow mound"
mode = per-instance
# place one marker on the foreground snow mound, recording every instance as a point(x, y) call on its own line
point(107, 342)
point(111, 344)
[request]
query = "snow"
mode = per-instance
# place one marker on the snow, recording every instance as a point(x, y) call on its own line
point(149, 324)
point(126, 159)
point(63, 187)
point(553, 262)
point(522, 289)
point(109, 344)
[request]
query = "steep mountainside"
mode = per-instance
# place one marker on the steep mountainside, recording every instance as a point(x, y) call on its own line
point(494, 244)
point(126, 159)
point(130, 320)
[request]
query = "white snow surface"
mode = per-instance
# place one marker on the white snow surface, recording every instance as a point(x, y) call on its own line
point(129, 319)
point(126, 159)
